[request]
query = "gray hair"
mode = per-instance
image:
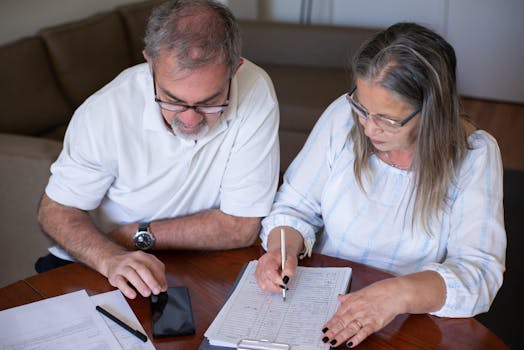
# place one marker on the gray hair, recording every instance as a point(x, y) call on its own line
point(196, 32)
point(419, 66)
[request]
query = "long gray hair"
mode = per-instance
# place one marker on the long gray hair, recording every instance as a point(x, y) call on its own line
point(196, 32)
point(419, 66)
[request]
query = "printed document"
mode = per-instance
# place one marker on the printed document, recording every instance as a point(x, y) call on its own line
point(70, 321)
point(251, 313)
point(65, 322)
point(116, 304)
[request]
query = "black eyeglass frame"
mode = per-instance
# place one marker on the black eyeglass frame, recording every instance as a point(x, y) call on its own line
point(362, 112)
point(182, 107)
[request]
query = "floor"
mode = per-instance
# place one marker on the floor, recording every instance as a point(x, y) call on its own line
point(505, 121)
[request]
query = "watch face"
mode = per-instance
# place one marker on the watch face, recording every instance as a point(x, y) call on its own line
point(144, 240)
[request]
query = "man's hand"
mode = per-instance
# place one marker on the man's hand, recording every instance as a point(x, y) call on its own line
point(136, 269)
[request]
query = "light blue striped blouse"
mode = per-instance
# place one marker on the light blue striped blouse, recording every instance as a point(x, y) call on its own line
point(321, 199)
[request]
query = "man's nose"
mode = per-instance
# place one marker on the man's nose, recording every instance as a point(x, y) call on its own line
point(190, 117)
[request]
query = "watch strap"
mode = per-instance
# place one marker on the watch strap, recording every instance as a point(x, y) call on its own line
point(143, 226)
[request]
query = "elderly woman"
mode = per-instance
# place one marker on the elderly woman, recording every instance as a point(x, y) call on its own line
point(393, 176)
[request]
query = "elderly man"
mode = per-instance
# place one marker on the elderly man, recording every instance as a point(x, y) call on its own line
point(180, 152)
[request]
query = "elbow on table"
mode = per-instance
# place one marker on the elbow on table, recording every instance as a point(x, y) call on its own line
point(246, 231)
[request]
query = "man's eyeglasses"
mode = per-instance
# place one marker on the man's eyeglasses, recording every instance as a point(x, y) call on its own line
point(385, 123)
point(182, 107)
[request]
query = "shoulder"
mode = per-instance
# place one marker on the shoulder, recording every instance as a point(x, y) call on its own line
point(253, 96)
point(124, 88)
point(252, 79)
point(123, 96)
point(116, 106)
point(482, 146)
point(335, 122)
point(482, 158)
point(330, 135)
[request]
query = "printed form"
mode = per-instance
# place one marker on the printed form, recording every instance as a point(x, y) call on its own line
point(251, 313)
point(70, 321)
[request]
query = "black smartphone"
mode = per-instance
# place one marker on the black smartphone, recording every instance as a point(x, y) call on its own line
point(171, 313)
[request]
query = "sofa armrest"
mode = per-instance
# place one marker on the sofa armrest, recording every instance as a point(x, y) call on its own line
point(25, 171)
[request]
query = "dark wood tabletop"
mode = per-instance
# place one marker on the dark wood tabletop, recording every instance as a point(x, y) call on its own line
point(210, 276)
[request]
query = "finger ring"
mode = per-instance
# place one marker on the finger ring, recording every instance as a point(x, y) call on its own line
point(360, 326)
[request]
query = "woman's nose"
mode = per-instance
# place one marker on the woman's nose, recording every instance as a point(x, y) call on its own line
point(370, 127)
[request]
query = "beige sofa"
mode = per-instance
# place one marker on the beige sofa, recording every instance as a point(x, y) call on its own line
point(47, 76)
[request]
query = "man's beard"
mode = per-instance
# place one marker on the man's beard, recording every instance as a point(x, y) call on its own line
point(203, 130)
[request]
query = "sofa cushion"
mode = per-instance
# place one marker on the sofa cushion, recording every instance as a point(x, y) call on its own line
point(30, 98)
point(87, 54)
point(304, 93)
point(135, 19)
point(56, 134)
point(309, 67)
point(300, 44)
point(25, 170)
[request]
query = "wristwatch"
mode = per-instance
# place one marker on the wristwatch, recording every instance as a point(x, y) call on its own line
point(144, 238)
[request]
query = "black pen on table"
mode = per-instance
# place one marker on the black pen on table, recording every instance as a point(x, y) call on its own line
point(135, 332)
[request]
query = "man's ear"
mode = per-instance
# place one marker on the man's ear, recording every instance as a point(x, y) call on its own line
point(240, 61)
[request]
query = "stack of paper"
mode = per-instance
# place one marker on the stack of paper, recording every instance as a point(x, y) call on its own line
point(70, 321)
point(251, 313)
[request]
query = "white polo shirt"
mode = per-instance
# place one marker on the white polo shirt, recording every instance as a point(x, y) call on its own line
point(120, 162)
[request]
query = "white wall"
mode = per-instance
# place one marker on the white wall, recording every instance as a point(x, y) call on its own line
point(488, 35)
point(19, 18)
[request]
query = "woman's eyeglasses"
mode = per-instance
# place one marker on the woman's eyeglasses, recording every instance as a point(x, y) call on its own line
point(385, 123)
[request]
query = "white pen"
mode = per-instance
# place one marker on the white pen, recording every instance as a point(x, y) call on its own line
point(283, 253)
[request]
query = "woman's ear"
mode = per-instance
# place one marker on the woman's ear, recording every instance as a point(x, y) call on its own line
point(148, 60)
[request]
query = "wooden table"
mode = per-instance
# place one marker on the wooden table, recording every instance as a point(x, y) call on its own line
point(210, 276)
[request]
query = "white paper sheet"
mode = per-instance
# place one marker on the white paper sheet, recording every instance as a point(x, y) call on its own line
point(116, 304)
point(65, 322)
point(71, 321)
point(251, 313)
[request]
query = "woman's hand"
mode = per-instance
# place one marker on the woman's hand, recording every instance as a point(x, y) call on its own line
point(362, 313)
point(370, 309)
point(269, 274)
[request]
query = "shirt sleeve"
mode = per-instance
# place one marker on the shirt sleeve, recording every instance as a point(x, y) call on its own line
point(298, 201)
point(475, 260)
point(82, 174)
point(251, 177)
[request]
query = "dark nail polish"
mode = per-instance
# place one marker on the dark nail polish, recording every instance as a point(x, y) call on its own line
point(349, 344)
point(282, 286)
point(325, 339)
point(325, 330)
point(333, 342)
point(285, 279)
